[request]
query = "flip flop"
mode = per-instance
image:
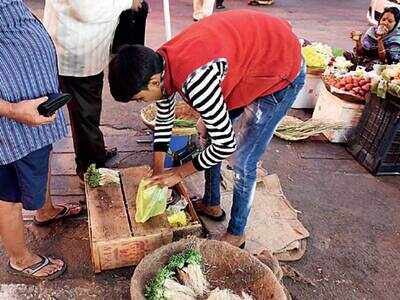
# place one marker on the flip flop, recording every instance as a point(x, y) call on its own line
point(63, 214)
point(33, 269)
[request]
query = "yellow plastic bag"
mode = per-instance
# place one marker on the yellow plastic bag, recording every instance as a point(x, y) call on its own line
point(150, 201)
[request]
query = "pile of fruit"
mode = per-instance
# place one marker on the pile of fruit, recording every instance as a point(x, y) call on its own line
point(388, 81)
point(355, 85)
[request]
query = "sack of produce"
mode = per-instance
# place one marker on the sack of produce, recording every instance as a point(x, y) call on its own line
point(150, 201)
point(183, 278)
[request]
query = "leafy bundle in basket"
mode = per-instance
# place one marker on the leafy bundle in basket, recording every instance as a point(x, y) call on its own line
point(294, 129)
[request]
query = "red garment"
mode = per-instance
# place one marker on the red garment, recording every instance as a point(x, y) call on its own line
point(263, 54)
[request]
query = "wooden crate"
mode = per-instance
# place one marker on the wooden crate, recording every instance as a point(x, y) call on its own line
point(116, 239)
point(331, 108)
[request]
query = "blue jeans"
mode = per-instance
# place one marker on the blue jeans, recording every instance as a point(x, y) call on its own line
point(258, 123)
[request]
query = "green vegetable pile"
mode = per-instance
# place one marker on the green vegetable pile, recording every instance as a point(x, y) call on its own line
point(184, 123)
point(155, 288)
point(337, 52)
point(93, 176)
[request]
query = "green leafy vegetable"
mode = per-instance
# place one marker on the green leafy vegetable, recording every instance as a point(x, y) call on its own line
point(193, 257)
point(184, 123)
point(337, 52)
point(93, 176)
point(176, 262)
point(155, 288)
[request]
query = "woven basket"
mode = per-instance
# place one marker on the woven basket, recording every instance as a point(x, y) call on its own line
point(315, 71)
point(225, 267)
point(182, 110)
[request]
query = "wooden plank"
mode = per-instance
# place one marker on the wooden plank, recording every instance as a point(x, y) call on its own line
point(194, 228)
point(95, 257)
point(107, 213)
point(131, 178)
point(129, 251)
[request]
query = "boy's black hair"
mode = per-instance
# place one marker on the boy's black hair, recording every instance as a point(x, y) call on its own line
point(130, 71)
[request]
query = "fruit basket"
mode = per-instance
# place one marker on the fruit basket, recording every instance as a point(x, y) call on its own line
point(185, 118)
point(349, 87)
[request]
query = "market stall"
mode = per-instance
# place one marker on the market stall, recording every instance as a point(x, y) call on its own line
point(376, 142)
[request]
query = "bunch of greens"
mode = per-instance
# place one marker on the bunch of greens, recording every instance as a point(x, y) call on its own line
point(337, 52)
point(155, 289)
point(184, 123)
point(93, 176)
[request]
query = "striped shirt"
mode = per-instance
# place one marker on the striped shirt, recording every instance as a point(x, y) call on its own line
point(82, 31)
point(203, 92)
point(28, 70)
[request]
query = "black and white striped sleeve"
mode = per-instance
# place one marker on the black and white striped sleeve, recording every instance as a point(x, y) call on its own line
point(164, 123)
point(203, 90)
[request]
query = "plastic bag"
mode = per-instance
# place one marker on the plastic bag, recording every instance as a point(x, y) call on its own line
point(150, 201)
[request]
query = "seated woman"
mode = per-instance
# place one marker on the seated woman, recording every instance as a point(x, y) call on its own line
point(380, 44)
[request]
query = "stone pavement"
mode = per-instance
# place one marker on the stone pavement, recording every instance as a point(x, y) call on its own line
point(353, 217)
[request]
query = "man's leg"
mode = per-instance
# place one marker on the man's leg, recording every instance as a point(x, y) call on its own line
point(49, 211)
point(208, 7)
point(13, 240)
point(23, 181)
point(210, 204)
point(259, 122)
point(212, 186)
point(197, 10)
point(84, 112)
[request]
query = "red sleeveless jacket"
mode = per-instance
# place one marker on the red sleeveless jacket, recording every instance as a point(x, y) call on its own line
point(263, 54)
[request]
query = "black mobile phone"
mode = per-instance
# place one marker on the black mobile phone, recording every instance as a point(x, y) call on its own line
point(54, 102)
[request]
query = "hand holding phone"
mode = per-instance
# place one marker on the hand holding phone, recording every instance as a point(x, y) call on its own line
point(53, 103)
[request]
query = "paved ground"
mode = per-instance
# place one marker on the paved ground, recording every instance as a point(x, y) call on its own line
point(353, 217)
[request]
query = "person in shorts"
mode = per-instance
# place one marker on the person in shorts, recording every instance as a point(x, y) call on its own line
point(28, 72)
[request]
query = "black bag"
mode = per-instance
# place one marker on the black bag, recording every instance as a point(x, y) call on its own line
point(131, 28)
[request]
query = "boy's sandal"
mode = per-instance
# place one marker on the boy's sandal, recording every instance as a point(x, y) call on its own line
point(219, 218)
point(33, 269)
point(198, 207)
point(66, 212)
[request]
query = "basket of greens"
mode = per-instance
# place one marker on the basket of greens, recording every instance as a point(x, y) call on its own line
point(195, 269)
